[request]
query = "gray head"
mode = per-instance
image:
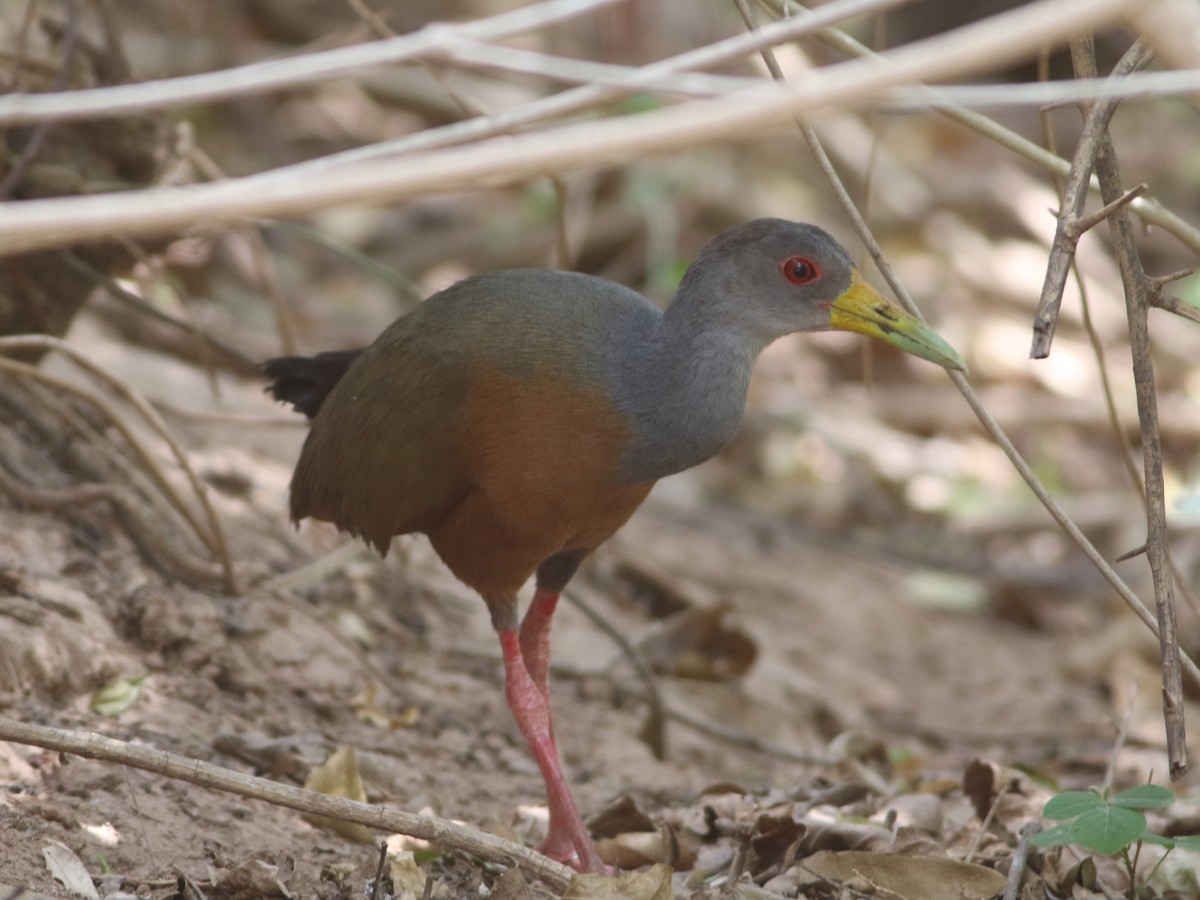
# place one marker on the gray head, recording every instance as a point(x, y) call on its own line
point(768, 277)
point(683, 384)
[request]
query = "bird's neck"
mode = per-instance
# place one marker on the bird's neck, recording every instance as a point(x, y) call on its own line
point(684, 386)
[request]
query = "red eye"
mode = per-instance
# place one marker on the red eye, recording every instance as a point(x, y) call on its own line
point(800, 270)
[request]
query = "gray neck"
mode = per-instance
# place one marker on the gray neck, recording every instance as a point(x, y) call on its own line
point(682, 383)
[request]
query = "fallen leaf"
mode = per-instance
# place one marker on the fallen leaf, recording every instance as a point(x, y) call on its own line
point(620, 816)
point(511, 885)
point(117, 696)
point(633, 849)
point(408, 881)
point(261, 874)
point(983, 780)
point(652, 884)
point(287, 755)
point(338, 777)
point(910, 877)
point(700, 643)
point(771, 840)
point(68, 870)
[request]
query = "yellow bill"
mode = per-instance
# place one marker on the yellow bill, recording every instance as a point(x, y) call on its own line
point(864, 310)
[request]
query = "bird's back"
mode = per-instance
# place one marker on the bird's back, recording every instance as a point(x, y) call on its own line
point(482, 418)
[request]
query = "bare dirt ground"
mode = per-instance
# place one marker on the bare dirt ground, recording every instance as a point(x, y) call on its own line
point(860, 663)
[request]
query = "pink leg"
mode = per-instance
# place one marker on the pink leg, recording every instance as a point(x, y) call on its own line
point(568, 840)
point(535, 639)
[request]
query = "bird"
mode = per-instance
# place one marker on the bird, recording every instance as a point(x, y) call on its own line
point(519, 417)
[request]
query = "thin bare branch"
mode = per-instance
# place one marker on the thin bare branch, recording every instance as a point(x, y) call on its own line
point(210, 530)
point(441, 832)
point(1086, 223)
point(980, 45)
point(1069, 229)
point(1177, 306)
point(1060, 516)
point(258, 78)
point(233, 355)
point(1020, 860)
point(1164, 280)
point(1149, 209)
point(1139, 289)
point(1173, 28)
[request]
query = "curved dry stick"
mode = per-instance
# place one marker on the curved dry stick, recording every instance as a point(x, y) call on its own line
point(149, 539)
point(214, 536)
point(653, 731)
point(439, 831)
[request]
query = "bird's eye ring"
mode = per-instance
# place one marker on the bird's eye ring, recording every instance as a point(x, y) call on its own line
point(800, 270)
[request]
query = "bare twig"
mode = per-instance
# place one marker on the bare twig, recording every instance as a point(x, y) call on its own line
point(1138, 289)
point(210, 531)
point(581, 98)
point(1016, 869)
point(377, 888)
point(142, 520)
point(258, 78)
point(1110, 771)
point(987, 822)
point(1064, 521)
point(131, 502)
point(1149, 209)
point(113, 287)
point(994, 41)
point(1173, 27)
point(1175, 305)
point(1087, 222)
point(33, 146)
point(1071, 224)
point(653, 731)
point(439, 831)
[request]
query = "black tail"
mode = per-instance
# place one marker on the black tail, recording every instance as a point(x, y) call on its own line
point(305, 381)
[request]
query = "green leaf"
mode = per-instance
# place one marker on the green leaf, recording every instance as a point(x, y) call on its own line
point(1070, 804)
point(1144, 796)
point(1054, 836)
point(1151, 838)
point(1188, 842)
point(1108, 829)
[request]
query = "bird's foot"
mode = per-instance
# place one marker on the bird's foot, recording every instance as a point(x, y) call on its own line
point(574, 850)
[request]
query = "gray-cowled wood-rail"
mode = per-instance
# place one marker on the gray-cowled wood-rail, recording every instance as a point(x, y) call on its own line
point(518, 418)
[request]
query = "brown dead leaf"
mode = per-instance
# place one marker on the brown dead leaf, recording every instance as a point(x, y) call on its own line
point(620, 816)
point(845, 836)
point(655, 589)
point(263, 874)
point(633, 850)
point(287, 755)
point(699, 643)
point(773, 842)
point(366, 706)
point(511, 885)
point(908, 877)
point(923, 811)
point(983, 780)
point(652, 884)
point(338, 777)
